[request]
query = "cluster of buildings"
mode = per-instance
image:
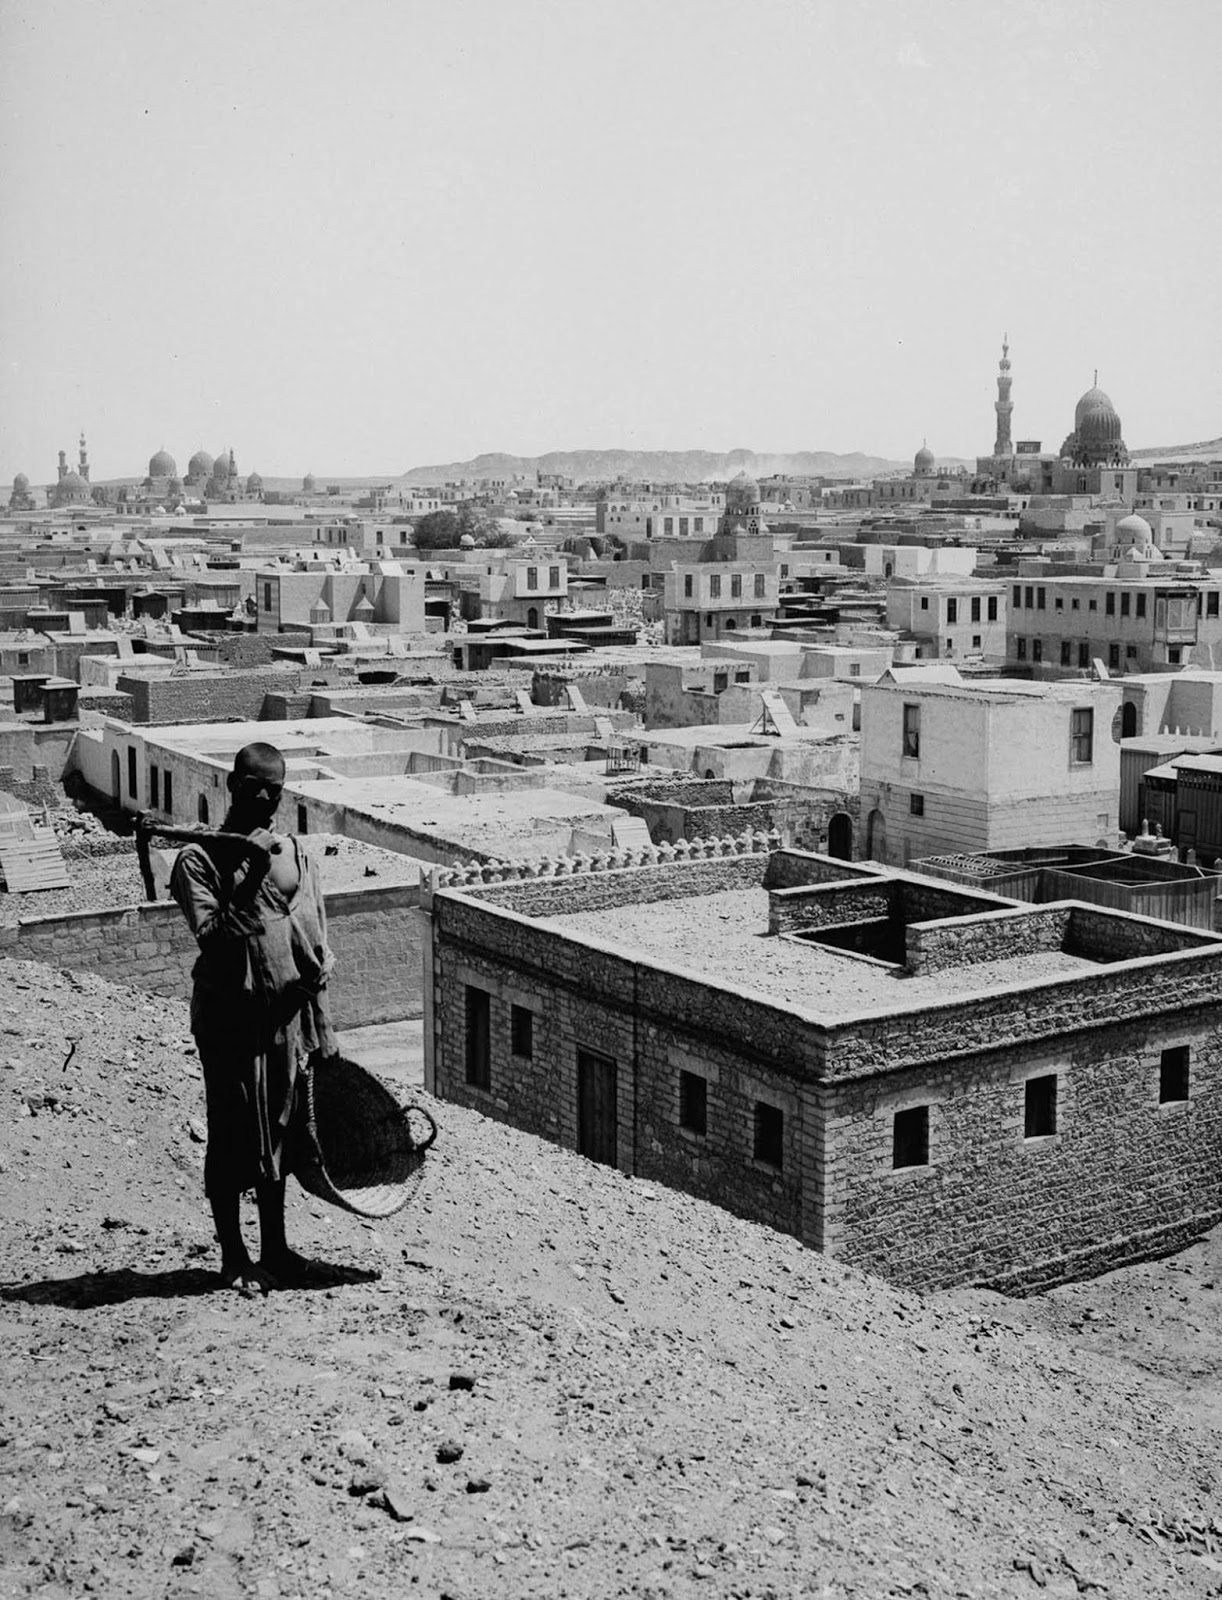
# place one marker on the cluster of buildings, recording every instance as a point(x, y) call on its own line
point(847, 862)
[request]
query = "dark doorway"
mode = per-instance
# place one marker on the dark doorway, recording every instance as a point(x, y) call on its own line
point(1128, 720)
point(876, 836)
point(597, 1127)
point(532, 617)
point(116, 787)
point(840, 836)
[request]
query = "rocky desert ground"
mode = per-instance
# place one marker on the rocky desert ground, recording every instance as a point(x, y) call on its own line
point(543, 1379)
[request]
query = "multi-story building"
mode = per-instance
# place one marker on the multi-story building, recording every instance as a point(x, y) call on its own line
point(711, 599)
point(661, 516)
point(950, 618)
point(520, 588)
point(1136, 619)
point(992, 764)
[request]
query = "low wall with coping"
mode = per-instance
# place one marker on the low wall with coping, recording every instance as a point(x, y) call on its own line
point(374, 933)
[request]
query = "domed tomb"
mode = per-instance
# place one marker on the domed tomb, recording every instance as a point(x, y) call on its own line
point(163, 465)
point(923, 461)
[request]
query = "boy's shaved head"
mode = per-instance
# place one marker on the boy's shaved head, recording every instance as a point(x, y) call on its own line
point(260, 761)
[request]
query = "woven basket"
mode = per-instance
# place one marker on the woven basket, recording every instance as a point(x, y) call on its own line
point(366, 1151)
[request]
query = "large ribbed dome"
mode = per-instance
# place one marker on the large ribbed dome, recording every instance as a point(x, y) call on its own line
point(1093, 400)
point(163, 465)
point(743, 490)
point(923, 461)
point(1099, 424)
point(220, 467)
point(20, 483)
point(200, 465)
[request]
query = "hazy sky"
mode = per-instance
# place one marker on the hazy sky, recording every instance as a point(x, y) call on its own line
point(362, 235)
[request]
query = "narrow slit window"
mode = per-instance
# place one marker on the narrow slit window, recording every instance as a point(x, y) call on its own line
point(479, 1057)
point(522, 1031)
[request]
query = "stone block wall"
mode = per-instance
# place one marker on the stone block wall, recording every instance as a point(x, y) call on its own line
point(206, 697)
point(374, 933)
point(1006, 935)
point(1123, 1177)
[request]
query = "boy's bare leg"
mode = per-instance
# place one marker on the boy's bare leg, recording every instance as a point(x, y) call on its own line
point(276, 1260)
point(238, 1271)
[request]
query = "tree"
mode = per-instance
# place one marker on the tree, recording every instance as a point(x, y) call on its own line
point(438, 530)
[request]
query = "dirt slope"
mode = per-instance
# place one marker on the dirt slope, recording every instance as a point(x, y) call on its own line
point(665, 1401)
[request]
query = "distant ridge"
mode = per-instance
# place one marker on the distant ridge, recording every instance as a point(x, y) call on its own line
point(1205, 450)
point(664, 466)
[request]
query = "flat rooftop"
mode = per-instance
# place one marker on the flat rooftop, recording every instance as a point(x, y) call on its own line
point(723, 937)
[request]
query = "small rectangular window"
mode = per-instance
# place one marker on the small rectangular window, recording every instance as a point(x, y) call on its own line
point(1109, 604)
point(1065, 652)
point(522, 1031)
point(715, 586)
point(167, 790)
point(761, 580)
point(267, 597)
point(976, 608)
point(1040, 1107)
point(1017, 599)
point(975, 641)
point(1211, 604)
point(687, 586)
point(1040, 598)
point(1037, 649)
point(952, 611)
point(1020, 649)
point(769, 1143)
point(1125, 602)
point(693, 1102)
point(736, 585)
point(532, 577)
point(992, 608)
point(1030, 597)
point(924, 602)
point(912, 730)
point(1113, 655)
point(1082, 734)
point(553, 577)
point(1084, 655)
point(1059, 603)
point(154, 788)
point(479, 1055)
point(910, 1137)
point(1141, 605)
point(916, 805)
point(1173, 1075)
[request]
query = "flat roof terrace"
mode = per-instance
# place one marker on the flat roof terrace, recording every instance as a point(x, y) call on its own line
point(723, 938)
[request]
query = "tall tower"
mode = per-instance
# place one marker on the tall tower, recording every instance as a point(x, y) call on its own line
point(84, 466)
point(1003, 405)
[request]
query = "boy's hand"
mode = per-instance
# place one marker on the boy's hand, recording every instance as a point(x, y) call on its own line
point(263, 846)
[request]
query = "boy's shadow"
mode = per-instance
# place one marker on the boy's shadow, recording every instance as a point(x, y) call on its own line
point(89, 1290)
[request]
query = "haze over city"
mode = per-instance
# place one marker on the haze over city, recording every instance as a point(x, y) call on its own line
point(363, 238)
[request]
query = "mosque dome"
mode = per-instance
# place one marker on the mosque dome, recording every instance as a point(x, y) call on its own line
point(1099, 424)
point(467, 542)
point(923, 461)
point(200, 465)
point(254, 483)
point(1093, 400)
point(72, 480)
point(743, 490)
point(21, 484)
point(163, 465)
point(1134, 530)
point(308, 484)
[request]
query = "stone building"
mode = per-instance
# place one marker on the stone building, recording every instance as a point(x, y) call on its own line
point(950, 617)
point(930, 1083)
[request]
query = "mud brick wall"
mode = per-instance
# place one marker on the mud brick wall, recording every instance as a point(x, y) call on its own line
point(797, 869)
point(374, 933)
point(1122, 1178)
point(935, 946)
point(205, 697)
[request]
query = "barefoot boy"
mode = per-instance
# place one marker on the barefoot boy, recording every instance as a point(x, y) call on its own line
point(258, 1011)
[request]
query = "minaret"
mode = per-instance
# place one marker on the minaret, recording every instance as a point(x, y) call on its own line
point(1003, 405)
point(84, 466)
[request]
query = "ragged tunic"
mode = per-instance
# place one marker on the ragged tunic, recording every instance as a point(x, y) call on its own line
point(258, 1009)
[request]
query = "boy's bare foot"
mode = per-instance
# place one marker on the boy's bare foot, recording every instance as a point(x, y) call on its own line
point(244, 1277)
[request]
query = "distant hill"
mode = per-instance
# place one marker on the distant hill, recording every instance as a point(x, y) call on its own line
point(663, 466)
point(1206, 450)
